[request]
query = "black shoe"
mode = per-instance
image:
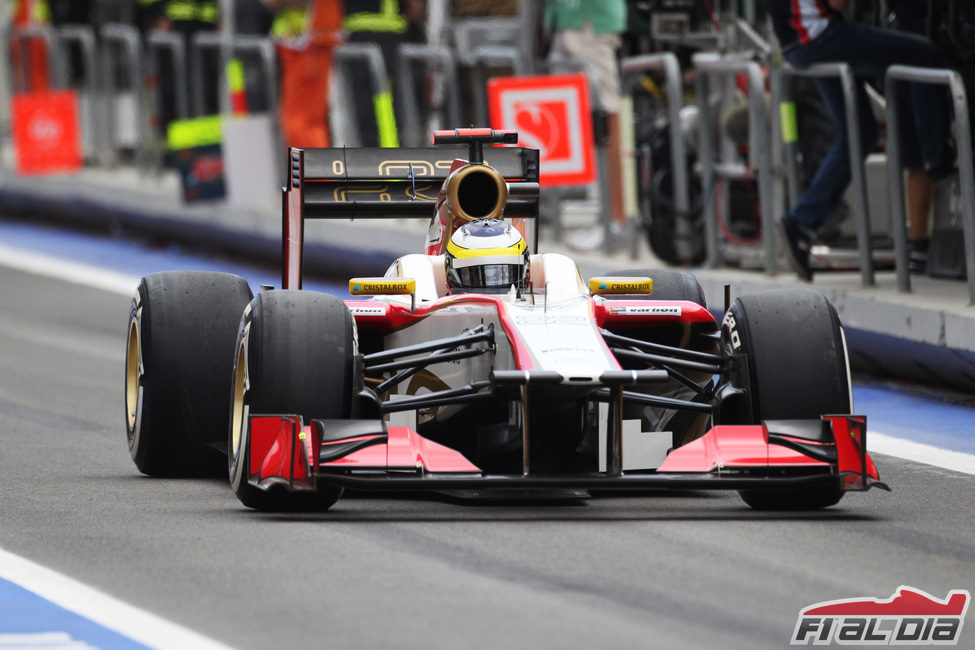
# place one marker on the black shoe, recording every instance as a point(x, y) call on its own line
point(917, 255)
point(798, 242)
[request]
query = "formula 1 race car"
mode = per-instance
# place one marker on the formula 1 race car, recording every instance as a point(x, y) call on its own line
point(482, 367)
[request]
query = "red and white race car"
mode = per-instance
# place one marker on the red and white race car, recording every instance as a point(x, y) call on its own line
point(480, 366)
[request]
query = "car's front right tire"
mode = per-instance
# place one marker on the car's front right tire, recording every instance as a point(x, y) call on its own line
point(178, 358)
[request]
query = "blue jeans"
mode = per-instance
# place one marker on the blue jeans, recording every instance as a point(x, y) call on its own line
point(869, 51)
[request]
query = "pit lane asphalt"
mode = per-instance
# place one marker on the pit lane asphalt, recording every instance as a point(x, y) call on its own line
point(664, 570)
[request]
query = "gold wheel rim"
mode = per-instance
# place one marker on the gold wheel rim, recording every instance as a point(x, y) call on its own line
point(133, 374)
point(240, 387)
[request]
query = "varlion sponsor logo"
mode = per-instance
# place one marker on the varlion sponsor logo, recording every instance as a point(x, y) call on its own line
point(647, 310)
point(909, 617)
point(368, 311)
point(381, 286)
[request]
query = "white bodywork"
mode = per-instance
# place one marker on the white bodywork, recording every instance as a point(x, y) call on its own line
point(554, 324)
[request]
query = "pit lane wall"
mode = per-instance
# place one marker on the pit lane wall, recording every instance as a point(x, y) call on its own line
point(927, 336)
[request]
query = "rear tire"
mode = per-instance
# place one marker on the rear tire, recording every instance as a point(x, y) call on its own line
point(798, 369)
point(179, 359)
point(295, 352)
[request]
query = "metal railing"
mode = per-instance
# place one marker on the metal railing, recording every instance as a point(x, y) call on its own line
point(847, 80)
point(172, 42)
point(666, 62)
point(20, 39)
point(440, 58)
point(492, 55)
point(128, 40)
point(895, 181)
point(372, 56)
point(84, 37)
point(760, 162)
point(262, 47)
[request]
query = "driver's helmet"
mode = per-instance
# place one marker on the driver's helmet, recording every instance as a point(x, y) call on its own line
point(486, 255)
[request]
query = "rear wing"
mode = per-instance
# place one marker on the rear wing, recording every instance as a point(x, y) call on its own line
point(381, 183)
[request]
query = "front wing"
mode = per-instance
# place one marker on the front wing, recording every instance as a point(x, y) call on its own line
point(368, 455)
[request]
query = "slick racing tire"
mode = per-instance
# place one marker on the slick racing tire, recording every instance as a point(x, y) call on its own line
point(178, 363)
point(798, 369)
point(295, 352)
point(668, 284)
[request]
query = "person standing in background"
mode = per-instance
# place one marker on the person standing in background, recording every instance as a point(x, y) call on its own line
point(386, 23)
point(815, 31)
point(28, 56)
point(305, 32)
point(590, 31)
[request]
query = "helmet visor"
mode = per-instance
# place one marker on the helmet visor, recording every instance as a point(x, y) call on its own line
point(489, 276)
point(496, 272)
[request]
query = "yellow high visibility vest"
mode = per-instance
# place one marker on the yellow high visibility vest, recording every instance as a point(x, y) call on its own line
point(187, 10)
point(289, 23)
point(387, 19)
point(39, 12)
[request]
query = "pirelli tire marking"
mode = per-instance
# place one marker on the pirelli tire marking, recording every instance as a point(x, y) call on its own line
point(731, 325)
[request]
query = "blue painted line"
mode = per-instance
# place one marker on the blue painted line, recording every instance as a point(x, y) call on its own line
point(23, 612)
point(915, 418)
point(136, 259)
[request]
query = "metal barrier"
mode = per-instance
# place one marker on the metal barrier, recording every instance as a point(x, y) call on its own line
point(895, 180)
point(20, 38)
point(159, 42)
point(667, 63)
point(708, 64)
point(498, 55)
point(84, 36)
point(372, 56)
point(127, 37)
point(844, 73)
point(199, 42)
point(173, 42)
point(409, 53)
point(6, 79)
point(263, 47)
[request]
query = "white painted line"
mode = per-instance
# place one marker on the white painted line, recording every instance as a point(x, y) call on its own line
point(74, 272)
point(107, 611)
point(920, 453)
point(42, 641)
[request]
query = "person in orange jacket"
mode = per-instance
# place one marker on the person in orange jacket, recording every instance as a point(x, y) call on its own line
point(306, 31)
point(28, 57)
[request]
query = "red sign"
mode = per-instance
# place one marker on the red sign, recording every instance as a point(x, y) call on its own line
point(552, 114)
point(46, 134)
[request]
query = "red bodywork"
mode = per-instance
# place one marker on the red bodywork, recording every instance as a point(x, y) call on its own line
point(283, 451)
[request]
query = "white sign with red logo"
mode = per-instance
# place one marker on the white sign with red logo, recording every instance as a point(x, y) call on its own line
point(551, 113)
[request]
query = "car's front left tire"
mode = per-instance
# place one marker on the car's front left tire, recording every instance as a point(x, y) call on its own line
point(295, 352)
point(795, 350)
